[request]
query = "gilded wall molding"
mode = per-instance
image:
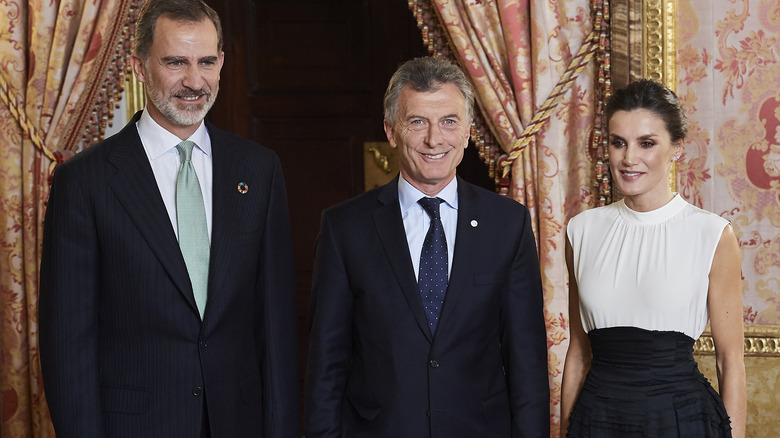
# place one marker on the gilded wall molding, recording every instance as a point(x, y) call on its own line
point(134, 95)
point(760, 340)
point(660, 63)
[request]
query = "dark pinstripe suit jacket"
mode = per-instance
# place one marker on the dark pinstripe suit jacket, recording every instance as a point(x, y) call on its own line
point(123, 350)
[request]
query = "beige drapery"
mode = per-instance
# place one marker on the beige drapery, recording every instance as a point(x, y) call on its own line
point(540, 70)
point(62, 66)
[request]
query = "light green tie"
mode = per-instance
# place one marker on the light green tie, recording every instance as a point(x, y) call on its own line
point(191, 219)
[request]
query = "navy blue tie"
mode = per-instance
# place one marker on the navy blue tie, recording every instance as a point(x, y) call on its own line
point(432, 280)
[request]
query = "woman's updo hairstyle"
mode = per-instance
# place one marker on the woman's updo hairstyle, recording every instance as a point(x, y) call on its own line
point(652, 96)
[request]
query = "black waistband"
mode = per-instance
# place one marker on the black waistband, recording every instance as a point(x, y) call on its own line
point(638, 348)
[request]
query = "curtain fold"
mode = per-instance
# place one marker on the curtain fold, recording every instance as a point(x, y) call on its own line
point(539, 69)
point(61, 73)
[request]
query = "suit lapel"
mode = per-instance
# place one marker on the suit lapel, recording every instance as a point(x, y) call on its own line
point(136, 189)
point(227, 173)
point(466, 235)
point(390, 228)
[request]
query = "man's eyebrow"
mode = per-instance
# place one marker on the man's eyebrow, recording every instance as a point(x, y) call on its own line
point(174, 59)
point(448, 116)
point(184, 59)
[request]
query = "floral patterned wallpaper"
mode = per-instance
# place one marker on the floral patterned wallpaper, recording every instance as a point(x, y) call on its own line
point(729, 83)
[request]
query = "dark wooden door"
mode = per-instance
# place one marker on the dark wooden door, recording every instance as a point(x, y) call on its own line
point(306, 78)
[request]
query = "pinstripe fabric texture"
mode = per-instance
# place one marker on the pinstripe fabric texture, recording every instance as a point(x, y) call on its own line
point(124, 352)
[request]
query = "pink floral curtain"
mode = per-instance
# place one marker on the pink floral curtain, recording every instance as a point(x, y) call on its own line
point(61, 70)
point(540, 69)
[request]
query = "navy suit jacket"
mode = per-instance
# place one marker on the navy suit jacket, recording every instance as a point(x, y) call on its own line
point(374, 369)
point(123, 350)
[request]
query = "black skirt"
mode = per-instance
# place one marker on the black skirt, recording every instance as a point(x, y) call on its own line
point(645, 383)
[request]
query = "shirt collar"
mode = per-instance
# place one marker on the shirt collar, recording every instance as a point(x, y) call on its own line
point(157, 140)
point(408, 195)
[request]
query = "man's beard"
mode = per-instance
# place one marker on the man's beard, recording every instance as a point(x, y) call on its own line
point(186, 115)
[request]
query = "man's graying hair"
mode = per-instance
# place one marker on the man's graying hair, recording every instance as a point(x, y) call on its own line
point(424, 75)
point(193, 11)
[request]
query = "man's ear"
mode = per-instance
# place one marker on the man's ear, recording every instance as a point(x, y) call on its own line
point(138, 67)
point(468, 133)
point(389, 134)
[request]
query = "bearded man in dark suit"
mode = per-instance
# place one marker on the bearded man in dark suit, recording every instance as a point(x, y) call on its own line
point(426, 316)
point(167, 306)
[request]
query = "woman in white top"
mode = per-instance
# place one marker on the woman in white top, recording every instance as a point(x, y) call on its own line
point(645, 275)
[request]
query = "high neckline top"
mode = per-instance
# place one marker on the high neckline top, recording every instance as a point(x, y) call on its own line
point(645, 269)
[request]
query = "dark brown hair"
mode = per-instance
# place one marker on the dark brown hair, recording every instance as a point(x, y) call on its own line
point(193, 11)
point(652, 96)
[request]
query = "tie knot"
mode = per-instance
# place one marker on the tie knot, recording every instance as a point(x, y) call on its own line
point(431, 206)
point(185, 150)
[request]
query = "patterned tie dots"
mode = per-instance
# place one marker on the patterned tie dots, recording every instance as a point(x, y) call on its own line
point(432, 279)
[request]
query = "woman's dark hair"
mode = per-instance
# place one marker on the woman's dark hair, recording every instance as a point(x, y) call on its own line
point(650, 95)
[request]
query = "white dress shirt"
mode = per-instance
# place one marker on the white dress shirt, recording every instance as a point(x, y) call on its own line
point(417, 221)
point(160, 147)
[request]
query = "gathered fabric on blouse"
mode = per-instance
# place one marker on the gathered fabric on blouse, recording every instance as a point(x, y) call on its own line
point(645, 269)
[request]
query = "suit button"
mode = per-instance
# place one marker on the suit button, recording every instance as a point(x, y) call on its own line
point(434, 364)
point(203, 344)
point(197, 391)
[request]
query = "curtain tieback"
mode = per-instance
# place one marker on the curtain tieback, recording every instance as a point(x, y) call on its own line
point(576, 65)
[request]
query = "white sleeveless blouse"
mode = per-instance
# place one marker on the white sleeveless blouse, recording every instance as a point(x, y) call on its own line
point(645, 269)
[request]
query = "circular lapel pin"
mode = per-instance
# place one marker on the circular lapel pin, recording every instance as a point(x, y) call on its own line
point(474, 223)
point(243, 188)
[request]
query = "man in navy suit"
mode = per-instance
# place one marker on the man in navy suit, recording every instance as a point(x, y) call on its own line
point(400, 349)
point(134, 341)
